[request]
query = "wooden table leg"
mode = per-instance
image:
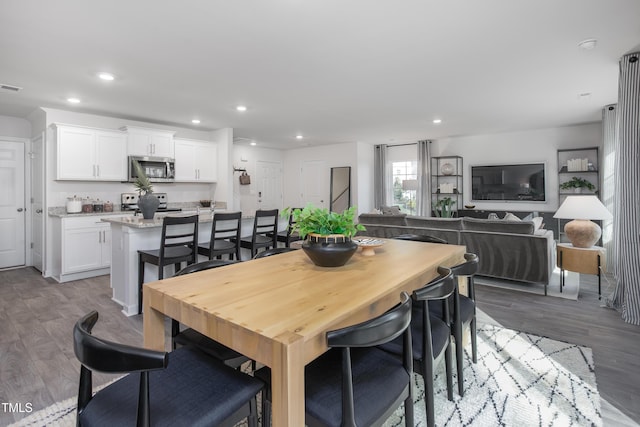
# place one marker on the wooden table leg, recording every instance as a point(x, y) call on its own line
point(287, 381)
point(153, 326)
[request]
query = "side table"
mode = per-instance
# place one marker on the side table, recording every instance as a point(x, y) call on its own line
point(581, 260)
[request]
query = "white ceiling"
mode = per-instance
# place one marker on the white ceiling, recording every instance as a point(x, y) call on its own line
point(332, 70)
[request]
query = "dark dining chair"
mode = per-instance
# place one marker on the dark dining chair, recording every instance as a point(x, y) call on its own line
point(178, 244)
point(463, 313)
point(225, 236)
point(265, 230)
point(287, 236)
point(421, 238)
point(355, 383)
point(431, 337)
point(192, 337)
point(182, 388)
point(273, 251)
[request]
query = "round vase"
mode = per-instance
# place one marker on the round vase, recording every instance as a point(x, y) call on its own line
point(329, 251)
point(447, 169)
point(148, 205)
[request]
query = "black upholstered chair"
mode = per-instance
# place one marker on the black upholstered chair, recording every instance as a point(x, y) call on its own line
point(273, 251)
point(287, 236)
point(177, 245)
point(421, 238)
point(463, 313)
point(192, 337)
point(431, 337)
point(355, 383)
point(185, 387)
point(265, 230)
point(225, 236)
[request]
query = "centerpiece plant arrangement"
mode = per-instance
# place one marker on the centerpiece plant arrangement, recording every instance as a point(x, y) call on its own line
point(327, 234)
point(147, 202)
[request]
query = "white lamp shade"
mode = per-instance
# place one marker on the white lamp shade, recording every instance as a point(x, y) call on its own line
point(582, 207)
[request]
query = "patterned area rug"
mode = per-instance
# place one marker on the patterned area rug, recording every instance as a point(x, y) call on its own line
point(520, 380)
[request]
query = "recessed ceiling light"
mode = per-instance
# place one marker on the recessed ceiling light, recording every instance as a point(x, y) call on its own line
point(437, 121)
point(106, 76)
point(195, 121)
point(241, 108)
point(73, 100)
point(252, 143)
point(299, 136)
point(588, 44)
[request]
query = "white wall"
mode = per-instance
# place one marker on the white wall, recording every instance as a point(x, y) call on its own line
point(15, 127)
point(336, 155)
point(519, 147)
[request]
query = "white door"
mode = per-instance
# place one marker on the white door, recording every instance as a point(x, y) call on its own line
point(315, 183)
point(37, 202)
point(12, 204)
point(269, 184)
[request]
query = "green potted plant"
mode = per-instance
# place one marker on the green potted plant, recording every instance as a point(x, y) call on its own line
point(327, 234)
point(577, 184)
point(443, 207)
point(147, 202)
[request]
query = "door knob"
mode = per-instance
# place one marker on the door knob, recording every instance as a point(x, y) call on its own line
point(20, 209)
point(38, 210)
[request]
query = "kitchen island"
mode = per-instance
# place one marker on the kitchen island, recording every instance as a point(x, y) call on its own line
point(133, 233)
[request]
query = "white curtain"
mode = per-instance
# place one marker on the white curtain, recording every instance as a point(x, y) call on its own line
point(423, 195)
point(626, 222)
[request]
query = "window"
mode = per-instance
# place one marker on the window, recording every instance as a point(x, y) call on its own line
point(405, 185)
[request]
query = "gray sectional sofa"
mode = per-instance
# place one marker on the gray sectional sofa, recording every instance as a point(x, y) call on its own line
point(512, 250)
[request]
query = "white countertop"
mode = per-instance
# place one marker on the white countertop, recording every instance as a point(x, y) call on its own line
point(139, 222)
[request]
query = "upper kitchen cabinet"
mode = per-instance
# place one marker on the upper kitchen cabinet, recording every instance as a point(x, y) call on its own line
point(196, 161)
point(89, 154)
point(149, 142)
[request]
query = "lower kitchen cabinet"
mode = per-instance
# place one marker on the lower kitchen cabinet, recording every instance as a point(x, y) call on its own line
point(85, 244)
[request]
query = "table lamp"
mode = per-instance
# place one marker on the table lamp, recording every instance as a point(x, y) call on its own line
point(582, 232)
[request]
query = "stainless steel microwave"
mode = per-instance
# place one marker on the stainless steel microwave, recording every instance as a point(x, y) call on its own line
point(157, 169)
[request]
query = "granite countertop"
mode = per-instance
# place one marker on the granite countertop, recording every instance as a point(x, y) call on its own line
point(139, 222)
point(62, 213)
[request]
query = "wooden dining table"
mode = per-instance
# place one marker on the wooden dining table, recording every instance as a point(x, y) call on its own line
point(277, 310)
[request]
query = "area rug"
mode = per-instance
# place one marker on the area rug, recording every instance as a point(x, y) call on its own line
point(520, 380)
point(570, 289)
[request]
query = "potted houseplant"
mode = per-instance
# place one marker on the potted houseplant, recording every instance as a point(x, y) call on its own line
point(327, 234)
point(443, 207)
point(577, 184)
point(147, 202)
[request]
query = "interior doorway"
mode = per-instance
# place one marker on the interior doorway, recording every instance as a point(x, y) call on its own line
point(12, 203)
point(37, 202)
point(269, 184)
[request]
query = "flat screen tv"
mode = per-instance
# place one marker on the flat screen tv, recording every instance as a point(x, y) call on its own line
point(516, 182)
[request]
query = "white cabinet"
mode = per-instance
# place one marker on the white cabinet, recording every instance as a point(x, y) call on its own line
point(149, 142)
point(85, 244)
point(88, 154)
point(196, 161)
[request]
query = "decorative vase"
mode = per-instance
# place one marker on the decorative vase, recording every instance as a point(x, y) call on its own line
point(148, 205)
point(447, 169)
point(333, 250)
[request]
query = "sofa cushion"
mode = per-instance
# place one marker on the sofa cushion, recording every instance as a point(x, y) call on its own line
point(498, 226)
point(432, 222)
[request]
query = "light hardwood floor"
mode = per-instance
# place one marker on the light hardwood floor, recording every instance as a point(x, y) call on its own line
point(38, 366)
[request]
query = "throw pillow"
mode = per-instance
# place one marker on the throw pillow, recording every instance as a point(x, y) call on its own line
point(537, 222)
point(390, 210)
point(511, 217)
point(528, 217)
